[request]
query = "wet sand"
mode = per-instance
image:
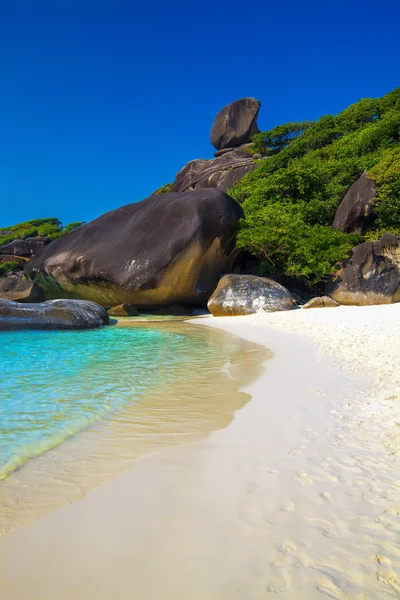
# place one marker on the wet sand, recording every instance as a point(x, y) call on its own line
point(298, 498)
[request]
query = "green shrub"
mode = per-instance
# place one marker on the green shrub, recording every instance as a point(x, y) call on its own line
point(164, 189)
point(50, 228)
point(9, 267)
point(290, 200)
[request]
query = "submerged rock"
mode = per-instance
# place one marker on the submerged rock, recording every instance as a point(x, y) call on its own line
point(167, 249)
point(246, 294)
point(355, 212)
point(20, 290)
point(123, 310)
point(235, 124)
point(371, 275)
point(54, 314)
point(321, 302)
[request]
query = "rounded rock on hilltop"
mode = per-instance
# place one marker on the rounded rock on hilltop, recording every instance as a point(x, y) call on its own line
point(247, 294)
point(235, 124)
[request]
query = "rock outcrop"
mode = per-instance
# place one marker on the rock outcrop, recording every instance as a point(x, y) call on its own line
point(321, 302)
point(164, 250)
point(355, 212)
point(247, 294)
point(231, 134)
point(371, 275)
point(235, 124)
point(26, 247)
point(54, 314)
point(221, 172)
point(123, 310)
point(20, 290)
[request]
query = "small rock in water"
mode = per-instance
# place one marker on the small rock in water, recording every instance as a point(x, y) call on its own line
point(53, 314)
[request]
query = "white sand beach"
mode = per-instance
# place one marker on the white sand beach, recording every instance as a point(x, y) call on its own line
point(298, 498)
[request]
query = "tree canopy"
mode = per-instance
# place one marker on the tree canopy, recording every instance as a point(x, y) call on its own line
point(291, 198)
point(50, 228)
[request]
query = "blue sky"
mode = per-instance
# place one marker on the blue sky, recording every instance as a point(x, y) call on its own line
point(102, 102)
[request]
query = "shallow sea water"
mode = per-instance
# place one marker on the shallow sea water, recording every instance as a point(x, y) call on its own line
point(77, 407)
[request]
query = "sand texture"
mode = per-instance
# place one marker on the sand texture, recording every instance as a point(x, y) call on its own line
point(297, 499)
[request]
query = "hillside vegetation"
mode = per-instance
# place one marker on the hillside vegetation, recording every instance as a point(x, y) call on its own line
point(290, 200)
point(50, 228)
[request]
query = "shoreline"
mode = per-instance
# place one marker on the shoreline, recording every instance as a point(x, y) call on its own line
point(297, 497)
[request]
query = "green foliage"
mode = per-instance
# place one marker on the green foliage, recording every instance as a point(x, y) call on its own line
point(290, 200)
point(386, 173)
point(164, 189)
point(72, 226)
point(268, 143)
point(50, 228)
point(9, 267)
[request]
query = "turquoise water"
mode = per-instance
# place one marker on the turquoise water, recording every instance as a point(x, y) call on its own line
point(55, 384)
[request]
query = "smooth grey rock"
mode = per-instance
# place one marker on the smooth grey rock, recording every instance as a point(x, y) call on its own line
point(355, 212)
point(27, 247)
point(167, 249)
point(321, 302)
point(247, 294)
point(54, 314)
point(221, 172)
point(235, 124)
point(371, 275)
point(20, 290)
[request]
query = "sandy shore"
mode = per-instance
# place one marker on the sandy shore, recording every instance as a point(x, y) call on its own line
point(299, 498)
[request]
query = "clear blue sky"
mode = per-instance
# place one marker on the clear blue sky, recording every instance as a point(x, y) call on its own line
point(102, 102)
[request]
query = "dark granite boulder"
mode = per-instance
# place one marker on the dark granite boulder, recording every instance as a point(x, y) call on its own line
point(7, 258)
point(221, 172)
point(247, 294)
point(355, 212)
point(123, 310)
point(20, 290)
point(371, 275)
point(321, 302)
point(167, 249)
point(235, 124)
point(54, 314)
point(26, 247)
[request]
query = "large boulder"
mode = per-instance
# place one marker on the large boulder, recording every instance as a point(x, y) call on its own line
point(235, 124)
point(164, 250)
point(54, 314)
point(20, 290)
point(7, 258)
point(355, 212)
point(26, 247)
point(247, 294)
point(221, 172)
point(371, 275)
